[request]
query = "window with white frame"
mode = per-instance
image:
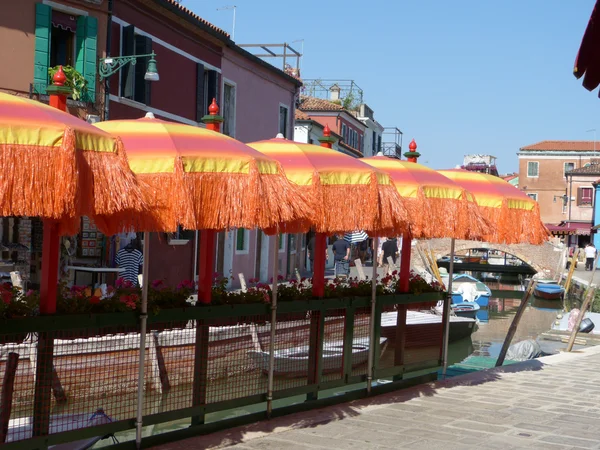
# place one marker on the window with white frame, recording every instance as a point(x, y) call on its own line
point(533, 169)
point(283, 120)
point(568, 167)
point(241, 240)
point(229, 109)
point(532, 195)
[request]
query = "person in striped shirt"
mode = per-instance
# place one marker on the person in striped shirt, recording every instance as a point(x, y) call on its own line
point(130, 259)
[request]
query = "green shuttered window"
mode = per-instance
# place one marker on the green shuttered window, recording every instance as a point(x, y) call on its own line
point(86, 49)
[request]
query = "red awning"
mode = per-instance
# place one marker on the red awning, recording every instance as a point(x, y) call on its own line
point(588, 57)
point(570, 228)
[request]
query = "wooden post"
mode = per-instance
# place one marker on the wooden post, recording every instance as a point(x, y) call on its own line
point(515, 323)
point(6, 394)
point(586, 303)
point(574, 260)
point(57, 389)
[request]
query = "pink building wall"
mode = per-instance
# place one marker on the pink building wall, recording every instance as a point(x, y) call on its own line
point(259, 94)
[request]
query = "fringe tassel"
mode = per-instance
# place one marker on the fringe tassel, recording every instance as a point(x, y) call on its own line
point(39, 181)
point(515, 226)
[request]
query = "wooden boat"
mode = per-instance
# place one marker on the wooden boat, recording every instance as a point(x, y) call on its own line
point(294, 361)
point(549, 291)
point(466, 309)
point(465, 288)
point(22, 428)
point(424, 328)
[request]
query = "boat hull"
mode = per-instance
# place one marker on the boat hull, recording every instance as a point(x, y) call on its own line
point(550, 292)
point(466, 309)
point(294, 362)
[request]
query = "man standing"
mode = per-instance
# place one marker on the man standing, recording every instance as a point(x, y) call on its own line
point(590, 256)
point(389, 249)
point(341, 256)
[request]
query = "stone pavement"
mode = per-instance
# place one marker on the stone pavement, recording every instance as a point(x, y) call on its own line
point(549, 403)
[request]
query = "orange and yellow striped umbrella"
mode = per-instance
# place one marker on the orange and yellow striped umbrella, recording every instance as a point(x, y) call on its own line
point(204, 180)
point(56, 166)
point(437, 207)
point(346, 193)
point(515, 217)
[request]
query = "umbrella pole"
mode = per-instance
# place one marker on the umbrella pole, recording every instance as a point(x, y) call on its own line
point(446, 312)
point(273, 328)
point(371, 367)
point(143, 322)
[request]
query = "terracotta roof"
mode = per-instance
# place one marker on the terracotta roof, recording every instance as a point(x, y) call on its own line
point(563, 146)
point(299, 115)
point(196, 16)
point(318, 104)
point(591, 169)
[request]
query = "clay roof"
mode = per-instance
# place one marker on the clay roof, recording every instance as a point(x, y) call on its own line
point(563, 146)
point(196, 16)
point(299, 115)
point(318, 104)
point(591, 169)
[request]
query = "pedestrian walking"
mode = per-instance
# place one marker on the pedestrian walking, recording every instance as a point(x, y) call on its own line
point(590, 256)
point(380, 252)
point(389, 250)
point(341, 256)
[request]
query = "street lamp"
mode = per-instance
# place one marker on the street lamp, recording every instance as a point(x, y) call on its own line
point(109, 66)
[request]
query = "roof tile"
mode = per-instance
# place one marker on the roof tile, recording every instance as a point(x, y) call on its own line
point(562, 146)
point(299, 115)
point(196, 16)
point(318, 104)
point(588, 169)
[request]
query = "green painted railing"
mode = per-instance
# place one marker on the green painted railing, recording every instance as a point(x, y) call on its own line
point(200, 354)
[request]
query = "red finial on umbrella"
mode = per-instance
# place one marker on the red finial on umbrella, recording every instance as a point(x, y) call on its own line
point(213, 120)
point(413, 154)
point(59, 77)
point(327, 141)
point(213, 109)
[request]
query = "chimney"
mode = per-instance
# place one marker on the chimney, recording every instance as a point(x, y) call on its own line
point(334, 93)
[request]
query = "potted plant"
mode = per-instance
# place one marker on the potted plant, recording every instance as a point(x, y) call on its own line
point(75, 80)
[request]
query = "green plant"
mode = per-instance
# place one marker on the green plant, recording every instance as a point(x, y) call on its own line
point(75, 81)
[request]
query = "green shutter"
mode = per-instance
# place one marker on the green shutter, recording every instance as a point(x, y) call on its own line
point(91, 57)
point(86, 53)
point(43, 24)
point(240, 244)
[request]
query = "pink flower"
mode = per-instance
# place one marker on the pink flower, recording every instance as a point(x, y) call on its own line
point(94, 299)
point(186, 284)
point(119, 282)
point(157, 283)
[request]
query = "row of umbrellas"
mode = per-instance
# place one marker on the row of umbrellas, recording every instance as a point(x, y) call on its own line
point(57, 166)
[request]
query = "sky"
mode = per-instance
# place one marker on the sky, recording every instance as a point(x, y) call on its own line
point(460, 77)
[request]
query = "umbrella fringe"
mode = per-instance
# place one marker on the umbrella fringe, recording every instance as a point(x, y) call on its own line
point(39, 180)
point(433, 217)
point(514, 226)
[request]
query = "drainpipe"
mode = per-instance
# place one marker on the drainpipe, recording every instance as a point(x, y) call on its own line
point(108, 46)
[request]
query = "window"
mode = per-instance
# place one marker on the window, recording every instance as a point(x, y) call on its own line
point(241, 240)
point(133, 84)
point(532, 195)
point(374, 143)
point(67, 39)
point(533, 169)
point(344, 133)
point(584, 196)
point(207, 88)
point(378, 143)
point(568, 167)
point(229, 110)
point(283, 120)
point(292, 243)
point(181, 236)
point(62, 39)
point(281, 242)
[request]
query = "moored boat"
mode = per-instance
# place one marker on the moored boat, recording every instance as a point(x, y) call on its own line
point(294, 361)
point(424, 328)
point(465, 288)
point(466, 309)
point(549, 291)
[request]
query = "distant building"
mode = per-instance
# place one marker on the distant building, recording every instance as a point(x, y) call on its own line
point(373, 130)
point(511, 178)
point(559, 176)
point(480, 163)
